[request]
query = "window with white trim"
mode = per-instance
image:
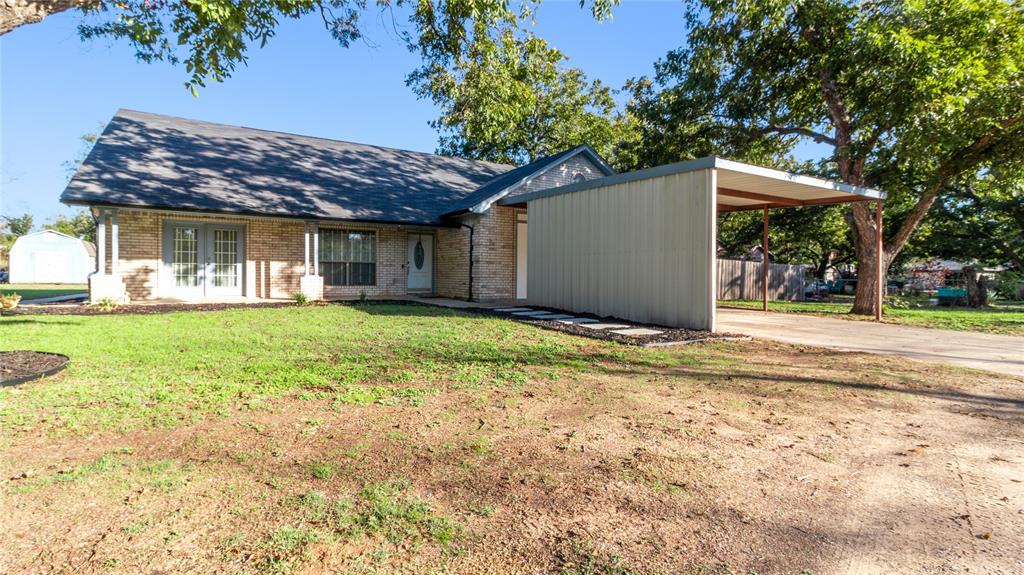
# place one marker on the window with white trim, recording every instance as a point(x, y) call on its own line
point(348, 258)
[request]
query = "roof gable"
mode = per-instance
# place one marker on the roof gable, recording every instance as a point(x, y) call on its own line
point(480, 200)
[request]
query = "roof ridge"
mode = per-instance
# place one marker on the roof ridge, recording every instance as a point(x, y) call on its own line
point(296, 134)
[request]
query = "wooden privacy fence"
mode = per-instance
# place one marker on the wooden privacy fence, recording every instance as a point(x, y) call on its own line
point(741, 279)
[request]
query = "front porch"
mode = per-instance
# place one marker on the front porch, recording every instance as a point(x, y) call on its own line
point(149, 255)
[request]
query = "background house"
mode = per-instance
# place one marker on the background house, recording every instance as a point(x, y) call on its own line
point(51, 257)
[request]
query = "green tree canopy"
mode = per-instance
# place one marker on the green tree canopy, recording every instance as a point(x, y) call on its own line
point(508, 96)
point(912, 96)
point(982, 222)
point(80, 225)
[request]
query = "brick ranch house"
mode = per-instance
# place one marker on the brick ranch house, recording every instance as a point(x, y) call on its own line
point(193, 211)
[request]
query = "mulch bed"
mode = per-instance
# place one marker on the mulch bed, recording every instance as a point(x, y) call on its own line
point(157, 308)
point(21, 366)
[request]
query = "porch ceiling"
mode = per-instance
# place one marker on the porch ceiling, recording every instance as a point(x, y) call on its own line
point(747, 187)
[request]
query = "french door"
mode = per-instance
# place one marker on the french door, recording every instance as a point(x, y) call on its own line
point(203, 260)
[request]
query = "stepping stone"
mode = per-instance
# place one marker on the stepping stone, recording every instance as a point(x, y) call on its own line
point(555, 317)
point(532, 313)
point(606, 325)
point(578, 320)
point(512, 309)
point(637, 331)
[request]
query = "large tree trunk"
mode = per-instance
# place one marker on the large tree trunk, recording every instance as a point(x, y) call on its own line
point(862, 223)
point(977, 287)
point(14, 13)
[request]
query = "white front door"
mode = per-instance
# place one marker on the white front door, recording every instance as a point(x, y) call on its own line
point(521, 258)
point(421, 263)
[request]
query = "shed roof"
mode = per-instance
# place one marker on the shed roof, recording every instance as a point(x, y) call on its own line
point(89, 247)
point(740, 186)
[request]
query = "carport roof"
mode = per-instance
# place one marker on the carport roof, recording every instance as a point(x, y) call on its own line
point(740, 186)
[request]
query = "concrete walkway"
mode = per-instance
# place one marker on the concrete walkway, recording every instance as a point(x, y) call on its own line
point(999, 353)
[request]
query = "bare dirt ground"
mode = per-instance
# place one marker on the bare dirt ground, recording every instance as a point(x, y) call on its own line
point(768, 459)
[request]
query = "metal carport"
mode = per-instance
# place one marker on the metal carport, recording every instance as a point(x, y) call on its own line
point(642, 245)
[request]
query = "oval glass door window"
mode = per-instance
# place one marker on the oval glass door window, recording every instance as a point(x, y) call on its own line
point(419, 255)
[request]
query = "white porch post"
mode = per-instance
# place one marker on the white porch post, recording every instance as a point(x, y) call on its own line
point(114, 251)
point(101, 241)
point(316, 248)
point(311, 284)
point(305, 245)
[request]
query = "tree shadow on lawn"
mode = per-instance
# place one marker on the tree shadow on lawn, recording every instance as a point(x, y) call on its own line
point(8, 321)
point(1003, 407)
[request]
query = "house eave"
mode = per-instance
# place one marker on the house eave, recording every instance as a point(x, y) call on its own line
point(184, 210)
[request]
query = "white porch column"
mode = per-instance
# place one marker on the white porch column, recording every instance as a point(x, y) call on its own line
point(114, 244)
point(316, 248)
point(104, 286)
point(101, 241)
point(305, 245)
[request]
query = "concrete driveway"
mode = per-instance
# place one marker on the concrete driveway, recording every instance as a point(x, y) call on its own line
point(999, 353)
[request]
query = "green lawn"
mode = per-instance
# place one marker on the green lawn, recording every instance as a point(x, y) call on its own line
point(144, 370)
point(1005, 318)
point(34, 291)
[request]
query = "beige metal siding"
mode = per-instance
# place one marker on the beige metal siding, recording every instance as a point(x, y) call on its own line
point(641, 250)
point(741, 279)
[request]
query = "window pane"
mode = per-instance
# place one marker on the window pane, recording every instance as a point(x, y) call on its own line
point(225, 258)
point(185, 257)
point(348, 257)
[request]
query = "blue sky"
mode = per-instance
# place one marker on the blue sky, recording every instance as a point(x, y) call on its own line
point(54, 88)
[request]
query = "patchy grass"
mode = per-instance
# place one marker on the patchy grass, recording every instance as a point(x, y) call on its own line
point(36, 291)
point(1002, 317)
point(131, 371)
point(406, 439)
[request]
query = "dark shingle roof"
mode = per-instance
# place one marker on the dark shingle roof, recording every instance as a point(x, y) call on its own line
point(148, 160)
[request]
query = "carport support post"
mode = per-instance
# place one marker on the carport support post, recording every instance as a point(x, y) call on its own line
point(764, 263)
point(879, 272)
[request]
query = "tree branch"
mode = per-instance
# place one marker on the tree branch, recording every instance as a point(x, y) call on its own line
point(960, 160)
point(14, 13)
point(806, 132)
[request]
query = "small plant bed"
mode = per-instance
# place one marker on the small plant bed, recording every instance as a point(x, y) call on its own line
point(140, 309)
point(22, 366)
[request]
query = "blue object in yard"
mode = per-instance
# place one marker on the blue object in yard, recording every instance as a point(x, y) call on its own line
point(951, 296)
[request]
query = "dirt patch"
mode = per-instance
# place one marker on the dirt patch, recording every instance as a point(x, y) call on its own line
point(21, 366)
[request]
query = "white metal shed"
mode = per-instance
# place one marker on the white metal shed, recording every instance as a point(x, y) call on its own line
point(51, 257)
point(641, 245)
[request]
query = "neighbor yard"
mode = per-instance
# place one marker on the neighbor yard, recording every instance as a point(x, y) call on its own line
point(1001, 317)
point(34, 291)
point(384, 438)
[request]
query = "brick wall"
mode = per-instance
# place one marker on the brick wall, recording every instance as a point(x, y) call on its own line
point(273, 255)
point(452, 263)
